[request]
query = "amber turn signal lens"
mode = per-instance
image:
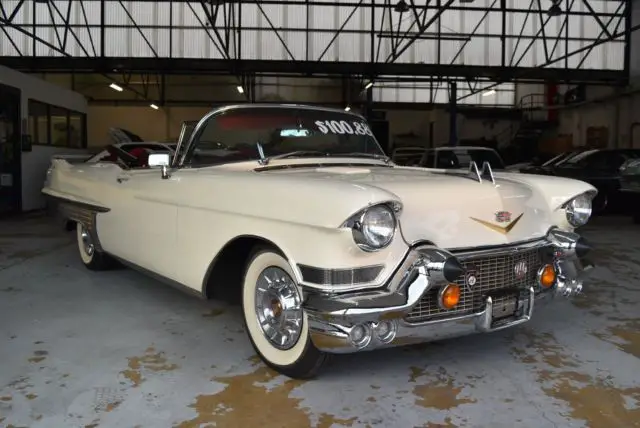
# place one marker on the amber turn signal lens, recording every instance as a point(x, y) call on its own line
point(449, 296)
point(547, 276)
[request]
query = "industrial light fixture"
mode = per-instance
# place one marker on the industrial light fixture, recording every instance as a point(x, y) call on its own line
point(240, 89)
point(401, 7)
point(347, 108)
point(555, 10)
point(116, 87)
point(153, 106)
point(489, 92)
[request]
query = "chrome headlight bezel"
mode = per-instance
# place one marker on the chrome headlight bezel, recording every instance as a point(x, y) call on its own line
point(359, 224)
point(579, 209)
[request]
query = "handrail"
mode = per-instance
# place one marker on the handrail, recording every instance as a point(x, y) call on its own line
point(529, 101)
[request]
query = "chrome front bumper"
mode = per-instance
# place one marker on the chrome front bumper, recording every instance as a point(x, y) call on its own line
point(363, 321)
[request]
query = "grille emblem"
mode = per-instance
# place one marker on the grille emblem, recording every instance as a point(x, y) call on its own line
point(470, 278)
point(520, 269)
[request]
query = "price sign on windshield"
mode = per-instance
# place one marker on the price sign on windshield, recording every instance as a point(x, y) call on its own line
point(342, 127)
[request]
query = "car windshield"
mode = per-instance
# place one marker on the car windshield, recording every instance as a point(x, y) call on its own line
point(577, 158)
point(461, 158)
point(243, 134)
point(557, 159)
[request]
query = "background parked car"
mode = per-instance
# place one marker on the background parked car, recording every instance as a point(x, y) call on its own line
point(630, 186)
point(448, 157)
point(600, 168)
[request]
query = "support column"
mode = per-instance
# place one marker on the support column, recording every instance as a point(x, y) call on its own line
point(453, 114)
point(369, 104)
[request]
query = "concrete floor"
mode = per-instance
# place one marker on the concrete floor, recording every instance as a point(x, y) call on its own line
point(116, 349)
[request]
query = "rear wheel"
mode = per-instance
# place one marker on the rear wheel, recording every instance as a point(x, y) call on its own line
point(90, 256)
point(275, 321)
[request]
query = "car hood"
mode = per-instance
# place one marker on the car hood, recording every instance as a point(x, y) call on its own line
point(456, 211)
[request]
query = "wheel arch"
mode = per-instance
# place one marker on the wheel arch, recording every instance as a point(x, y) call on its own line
point(229, 264)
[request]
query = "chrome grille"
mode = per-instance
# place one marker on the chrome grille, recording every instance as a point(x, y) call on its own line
point(493, 273)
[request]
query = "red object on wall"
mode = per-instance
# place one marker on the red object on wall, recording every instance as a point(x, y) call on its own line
point(551, 91)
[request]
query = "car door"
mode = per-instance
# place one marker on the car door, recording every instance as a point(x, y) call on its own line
point(141, 225)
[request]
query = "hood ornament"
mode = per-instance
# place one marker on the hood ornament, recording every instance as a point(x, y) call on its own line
point(486, 172)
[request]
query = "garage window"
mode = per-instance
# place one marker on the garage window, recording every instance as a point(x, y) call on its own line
point(57, 126)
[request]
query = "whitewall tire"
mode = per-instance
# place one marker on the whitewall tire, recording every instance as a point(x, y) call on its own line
point(90, 256)
point(275, 322)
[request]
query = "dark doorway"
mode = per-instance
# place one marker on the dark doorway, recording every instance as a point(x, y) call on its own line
point(380, 129)
point(10, 151)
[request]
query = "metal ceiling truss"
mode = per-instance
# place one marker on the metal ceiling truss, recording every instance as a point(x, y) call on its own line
point(392, 27)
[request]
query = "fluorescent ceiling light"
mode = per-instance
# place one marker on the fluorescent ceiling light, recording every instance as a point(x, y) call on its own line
point(116, 87)
point(370, 84)
point(240, 89)
point(153, 106)
point(489, 92)
point(347, 108)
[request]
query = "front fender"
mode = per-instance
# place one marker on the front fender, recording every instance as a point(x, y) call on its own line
point(302, 244)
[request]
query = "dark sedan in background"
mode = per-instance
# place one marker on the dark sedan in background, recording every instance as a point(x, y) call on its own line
point(600, 168)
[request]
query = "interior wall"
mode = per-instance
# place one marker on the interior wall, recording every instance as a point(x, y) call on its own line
point(618, 115)
point(36, 162)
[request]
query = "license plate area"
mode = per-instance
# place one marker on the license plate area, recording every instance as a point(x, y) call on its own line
point(505, 304)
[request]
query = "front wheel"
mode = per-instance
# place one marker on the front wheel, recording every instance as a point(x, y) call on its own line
point(275, 321)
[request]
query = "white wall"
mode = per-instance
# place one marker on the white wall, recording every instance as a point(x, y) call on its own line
point(36, 162)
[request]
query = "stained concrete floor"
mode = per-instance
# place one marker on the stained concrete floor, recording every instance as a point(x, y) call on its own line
point(117, 349)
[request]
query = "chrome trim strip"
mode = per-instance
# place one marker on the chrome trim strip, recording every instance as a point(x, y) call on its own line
point(500, 250)
point(331, 273)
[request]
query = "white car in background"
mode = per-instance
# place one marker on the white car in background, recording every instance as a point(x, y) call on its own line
point(329, 245)
point(448, 157)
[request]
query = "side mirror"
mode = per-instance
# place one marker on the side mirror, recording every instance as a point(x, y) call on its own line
point(161, 160)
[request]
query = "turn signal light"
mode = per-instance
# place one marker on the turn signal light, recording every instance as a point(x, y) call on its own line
point(449, 296)
point(547, 276)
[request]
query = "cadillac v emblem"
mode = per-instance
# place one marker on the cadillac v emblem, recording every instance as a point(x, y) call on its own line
point(503, 217)
point(520, 269)
point(500, 217)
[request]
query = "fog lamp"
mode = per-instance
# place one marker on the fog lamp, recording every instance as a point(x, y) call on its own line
point(547, 276)
point(449, 296)
point(360, 335)
point(385, 331)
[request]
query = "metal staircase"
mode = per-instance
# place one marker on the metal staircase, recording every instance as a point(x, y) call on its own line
point(534, 126)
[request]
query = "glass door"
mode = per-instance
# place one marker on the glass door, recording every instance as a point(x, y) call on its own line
point(10, 150)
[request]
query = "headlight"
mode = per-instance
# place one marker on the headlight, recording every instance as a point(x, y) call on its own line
point(373, 228)
point(578, 210)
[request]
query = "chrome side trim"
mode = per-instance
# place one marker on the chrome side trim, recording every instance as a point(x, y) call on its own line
point(339, 277)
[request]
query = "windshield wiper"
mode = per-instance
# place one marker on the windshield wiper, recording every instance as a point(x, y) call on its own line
point(384, 158)
point(266, 160)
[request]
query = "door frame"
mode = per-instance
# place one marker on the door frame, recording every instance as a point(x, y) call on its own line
point(17, 151)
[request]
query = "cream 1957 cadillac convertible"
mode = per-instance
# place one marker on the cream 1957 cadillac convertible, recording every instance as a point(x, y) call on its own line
point(331, 247)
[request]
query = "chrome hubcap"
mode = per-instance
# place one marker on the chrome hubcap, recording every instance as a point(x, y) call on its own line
point(278, 307)
point(87, 242)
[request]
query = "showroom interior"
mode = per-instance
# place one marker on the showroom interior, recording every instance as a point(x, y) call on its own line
point(535, 82)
